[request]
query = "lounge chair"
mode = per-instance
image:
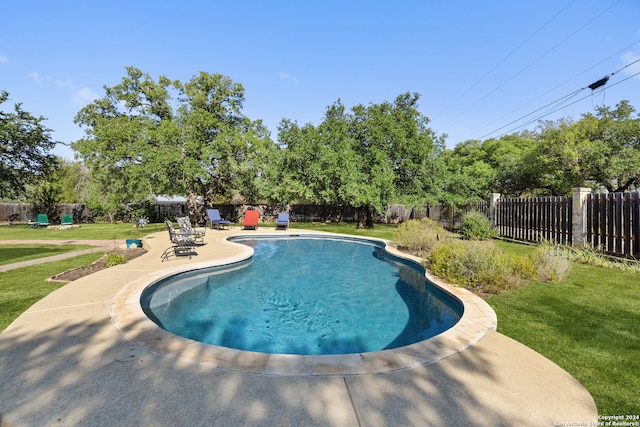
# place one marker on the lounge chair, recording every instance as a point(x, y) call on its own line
point(282, 221)
point(67, 219)
point(31, 224)
point(43, 220)
point(181, 243)
point(185, 227)
point(216, 221)
point(251, 219)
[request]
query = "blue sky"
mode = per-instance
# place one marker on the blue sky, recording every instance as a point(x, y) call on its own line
point(478, 65)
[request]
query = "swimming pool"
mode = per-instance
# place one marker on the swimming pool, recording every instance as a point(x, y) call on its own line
point(308, 296)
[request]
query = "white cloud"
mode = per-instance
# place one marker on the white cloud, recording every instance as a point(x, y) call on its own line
point(286, 76)
point(66, 84)
point(84, 96)
point(629, 58)
point(36, 77)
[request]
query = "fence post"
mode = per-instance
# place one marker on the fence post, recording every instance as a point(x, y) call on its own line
point(578, 217)
point(493, 208)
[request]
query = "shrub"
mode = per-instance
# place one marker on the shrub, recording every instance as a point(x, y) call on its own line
point(479, 266)
point(420, 236)
point(476, 226)
point(551, 262)
point(115, 259)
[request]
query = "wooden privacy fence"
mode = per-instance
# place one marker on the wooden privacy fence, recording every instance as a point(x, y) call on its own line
point(609, 222)
point(613, 223)
point(535, 218)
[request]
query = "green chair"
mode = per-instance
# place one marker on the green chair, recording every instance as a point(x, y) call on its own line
point(31, 224)
point(67, 219)
point(43, 220)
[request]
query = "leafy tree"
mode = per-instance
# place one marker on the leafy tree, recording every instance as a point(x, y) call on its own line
point(614, 157)
point(601, 150)
point(24, 150)
point(149, 137)
point(46, 200)
point(471, 176)
point(71, 179)
point(369, 158)
point(509, 159)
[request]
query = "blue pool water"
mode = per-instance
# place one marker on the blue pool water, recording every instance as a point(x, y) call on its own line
point(305, 296)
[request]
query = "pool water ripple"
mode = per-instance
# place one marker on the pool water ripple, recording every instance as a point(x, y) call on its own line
point(306, 296)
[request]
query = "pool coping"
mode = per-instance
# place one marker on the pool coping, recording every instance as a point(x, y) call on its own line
point(126, 313)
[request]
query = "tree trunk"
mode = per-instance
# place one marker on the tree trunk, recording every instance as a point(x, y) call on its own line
point(364, 216)
point(192, 208)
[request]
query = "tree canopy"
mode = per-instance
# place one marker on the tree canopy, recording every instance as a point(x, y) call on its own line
point(159, 136)
point(601, 150)
point(368, 158)
point(148, 137)
point(25, 144)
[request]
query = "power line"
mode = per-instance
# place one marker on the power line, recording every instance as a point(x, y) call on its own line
point(509, 55)
point(566, 97)
point(559, 108)
point(562, 84)
point(537, 59)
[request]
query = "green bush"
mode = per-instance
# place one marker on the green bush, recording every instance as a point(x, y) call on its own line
point(476, 226)
point(420, 236)
point(115, 259)
point(479, 266)
point(551, 262)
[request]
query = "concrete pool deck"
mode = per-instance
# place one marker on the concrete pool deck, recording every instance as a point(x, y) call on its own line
point(83, 355)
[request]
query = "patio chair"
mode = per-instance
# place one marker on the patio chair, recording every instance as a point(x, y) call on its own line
point(181, 243)
point(67, 219)
point(43, 220)
point(185, 227)
point(282, 221)
point(216, 220)
point(30, 224)
point(251, 219)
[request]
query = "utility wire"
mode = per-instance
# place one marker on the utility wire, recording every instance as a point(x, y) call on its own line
point(509, 55)
point(560, 108)
point(538, 59)
point(566, 97)
point(559, 85)
point(593, 86)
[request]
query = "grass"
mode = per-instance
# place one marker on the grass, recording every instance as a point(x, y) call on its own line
point(96, 231)
point(22, 287)
point(380, 231)
point(589, 323)
point(18, 253)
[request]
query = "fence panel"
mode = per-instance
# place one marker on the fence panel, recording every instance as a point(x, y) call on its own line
point(532, 219)
point(613, 223)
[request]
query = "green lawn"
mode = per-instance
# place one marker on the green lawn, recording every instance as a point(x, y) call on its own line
point(381, 231)
point(18, 253)
point(589, 323)
point(22, 287)
point(97, 231)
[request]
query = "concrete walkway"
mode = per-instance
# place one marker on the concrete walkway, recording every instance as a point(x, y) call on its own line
point(77, 357)
point(101, 245)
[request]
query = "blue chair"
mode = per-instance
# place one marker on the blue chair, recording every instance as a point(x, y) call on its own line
point(216, 220)
point(282, 221)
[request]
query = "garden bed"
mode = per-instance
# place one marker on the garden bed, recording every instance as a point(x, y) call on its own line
point(100, 264)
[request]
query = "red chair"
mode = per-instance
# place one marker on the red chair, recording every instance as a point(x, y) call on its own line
point(251, 219)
